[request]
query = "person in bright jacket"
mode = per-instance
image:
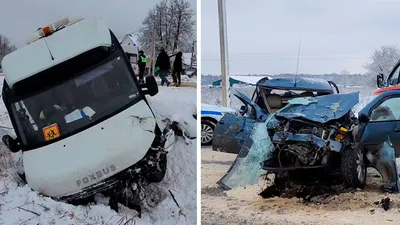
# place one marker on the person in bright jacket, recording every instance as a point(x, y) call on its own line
point(142, 65)
point(177, 69)
point(163, 64)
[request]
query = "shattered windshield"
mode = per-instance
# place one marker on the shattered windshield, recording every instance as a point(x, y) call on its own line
point(75, 104)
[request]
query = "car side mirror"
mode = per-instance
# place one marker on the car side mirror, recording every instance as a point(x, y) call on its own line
point(363, 118)
point(243, 109)
point(11, 143)
point(151, 86)
point(380, 81)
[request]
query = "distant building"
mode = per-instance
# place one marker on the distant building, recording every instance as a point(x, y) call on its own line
point(131, 47)
point(130, 39)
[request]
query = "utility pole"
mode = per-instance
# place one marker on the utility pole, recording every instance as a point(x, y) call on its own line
point(191, 58)
point(224, 53)
point(298, 58)
point(153, 54)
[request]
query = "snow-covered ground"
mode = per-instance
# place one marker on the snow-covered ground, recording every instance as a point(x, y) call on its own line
point(21, 205)
point(184, 79)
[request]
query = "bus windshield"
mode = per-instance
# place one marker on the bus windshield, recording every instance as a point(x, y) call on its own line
point(75, 104)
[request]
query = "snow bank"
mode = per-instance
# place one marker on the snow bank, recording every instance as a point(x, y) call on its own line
point(21, 205)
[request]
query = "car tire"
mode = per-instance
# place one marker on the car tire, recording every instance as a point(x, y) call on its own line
point(353, 167)
point(207, 132)
point(156, 175)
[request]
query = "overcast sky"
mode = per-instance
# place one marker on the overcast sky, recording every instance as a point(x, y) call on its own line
point(264, 35)
point(18, 19)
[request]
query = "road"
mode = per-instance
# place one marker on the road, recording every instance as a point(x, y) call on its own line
point(244, 206)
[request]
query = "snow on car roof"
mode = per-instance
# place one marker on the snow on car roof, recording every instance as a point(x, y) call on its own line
point(296, 83)
point(248, 79)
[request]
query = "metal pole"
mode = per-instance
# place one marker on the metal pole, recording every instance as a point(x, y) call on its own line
point(153, 50)
point(224, 53)
point(298, 58)
point(191, 58)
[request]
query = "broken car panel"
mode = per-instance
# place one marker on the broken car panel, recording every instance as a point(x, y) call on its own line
point(314, 133)
point(233, 130)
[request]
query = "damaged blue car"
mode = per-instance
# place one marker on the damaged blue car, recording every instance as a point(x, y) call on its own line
point(314, 133)
point(270, 95)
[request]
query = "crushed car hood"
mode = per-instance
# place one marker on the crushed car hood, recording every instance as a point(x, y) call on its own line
point(320, 109)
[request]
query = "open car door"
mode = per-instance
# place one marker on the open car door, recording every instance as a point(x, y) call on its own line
point(379, 135)
point(380, 120)
point(233, 130)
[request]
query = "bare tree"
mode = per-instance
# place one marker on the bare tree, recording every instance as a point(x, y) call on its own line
point(5, 47)
point(172, 22)
point(383, 60)
point(344, 72)
point(184, 23)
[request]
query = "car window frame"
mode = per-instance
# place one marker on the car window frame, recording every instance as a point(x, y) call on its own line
point(380, 103)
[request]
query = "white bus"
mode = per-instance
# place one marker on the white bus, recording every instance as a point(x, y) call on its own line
point(81, 118)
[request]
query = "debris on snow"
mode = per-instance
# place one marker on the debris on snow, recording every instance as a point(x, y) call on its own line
point(385, 203)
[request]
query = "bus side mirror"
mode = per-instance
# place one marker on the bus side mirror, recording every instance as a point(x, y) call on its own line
point(11, 143)
point(380, 81)
point(151, 86)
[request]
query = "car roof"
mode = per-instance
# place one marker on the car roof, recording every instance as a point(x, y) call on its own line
point(296, 83)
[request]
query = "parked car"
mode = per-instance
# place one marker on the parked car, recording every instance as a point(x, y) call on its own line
point(269, 96)
point(210, 115)
point(313, 133)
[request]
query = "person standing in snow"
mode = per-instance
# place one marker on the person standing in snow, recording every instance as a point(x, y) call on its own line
point(176, 74)
point(142, 65)
point(163, 64)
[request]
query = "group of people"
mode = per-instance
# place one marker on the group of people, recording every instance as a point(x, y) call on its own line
point(164, 66)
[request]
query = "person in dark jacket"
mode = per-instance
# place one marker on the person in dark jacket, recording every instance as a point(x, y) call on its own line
point(177, 69)
point(142, 65)
point(163, 64)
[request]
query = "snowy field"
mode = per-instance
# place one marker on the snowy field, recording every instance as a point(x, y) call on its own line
point(21, 205)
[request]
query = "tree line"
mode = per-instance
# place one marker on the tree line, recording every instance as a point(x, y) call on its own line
point(5, 47)
point(173, 24)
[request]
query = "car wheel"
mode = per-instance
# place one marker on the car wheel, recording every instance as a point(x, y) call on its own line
point(207, 132)
point(353, 167)
point(158, 174)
